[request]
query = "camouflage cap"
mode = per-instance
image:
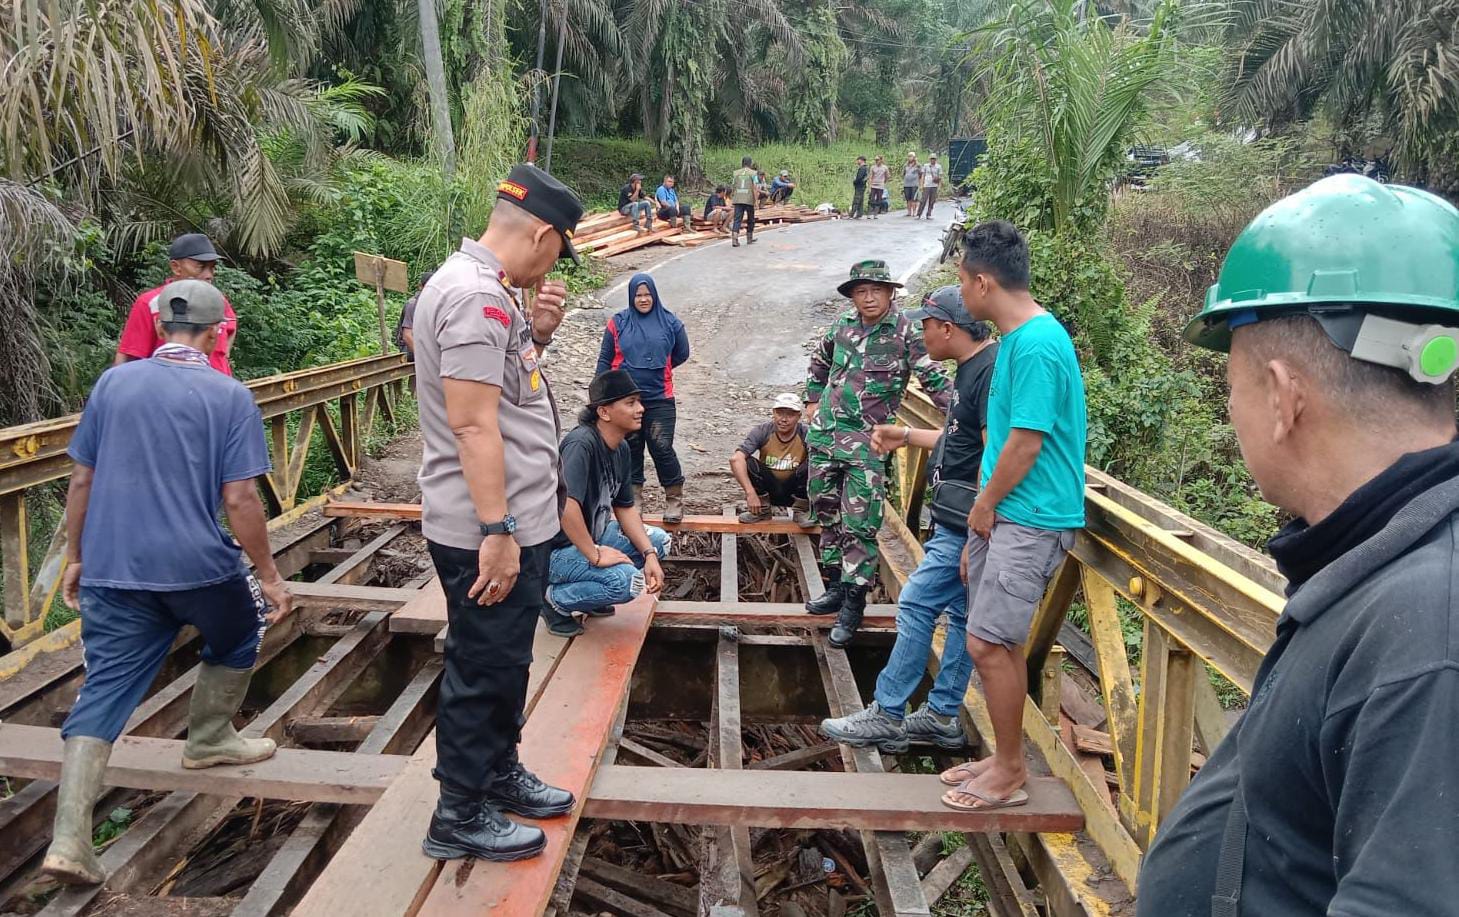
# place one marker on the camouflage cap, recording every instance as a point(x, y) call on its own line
point(874, 270)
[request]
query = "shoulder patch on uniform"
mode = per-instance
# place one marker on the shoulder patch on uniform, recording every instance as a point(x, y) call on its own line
point(495, 313)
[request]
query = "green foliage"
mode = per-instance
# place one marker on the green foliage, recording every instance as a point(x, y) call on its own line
point(116, 823)
point(809, 108)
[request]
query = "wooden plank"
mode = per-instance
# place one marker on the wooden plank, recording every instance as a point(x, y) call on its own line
point(356, 567)
point(382, 862)
point(809, 571)
point(727, 876)
point(644, 753)
point(564, 740)
point(358, 598)
point(144, 763)
point(656, 891)
point(424, 614)
point(945, 873)
point(729, 567)
point(795, 760)
point(691, 523)
point(816, 799)
point(324, 828)
point(780, 614)
point(894, 874)
point(319, 730)
point(615, 902)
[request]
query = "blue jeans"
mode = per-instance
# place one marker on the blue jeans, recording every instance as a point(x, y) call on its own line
point(934, 587)
point(127, 633)
point(573, 584)
point(640, 208)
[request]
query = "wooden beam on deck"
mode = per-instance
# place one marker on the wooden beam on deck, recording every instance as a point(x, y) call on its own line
point(816, 799)
point(691, 523)
point(142, 763)
point(760, 614)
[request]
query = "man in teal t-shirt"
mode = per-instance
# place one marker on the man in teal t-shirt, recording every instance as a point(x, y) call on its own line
point(1029, 506)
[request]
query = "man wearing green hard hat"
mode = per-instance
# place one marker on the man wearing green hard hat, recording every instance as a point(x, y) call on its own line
point(1338, 791)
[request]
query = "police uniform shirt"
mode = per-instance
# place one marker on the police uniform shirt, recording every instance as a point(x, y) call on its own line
point(469, 327)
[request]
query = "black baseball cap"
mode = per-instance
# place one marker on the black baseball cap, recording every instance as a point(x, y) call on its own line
point(192, 245)
point(945, 304)
point(547, 199)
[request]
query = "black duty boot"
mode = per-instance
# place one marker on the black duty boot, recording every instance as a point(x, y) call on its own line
point(463, 825)
point(829, 602)
point(519, 791)
point(849, 617)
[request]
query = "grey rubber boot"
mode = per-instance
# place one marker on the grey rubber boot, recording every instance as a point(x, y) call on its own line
point(211, 738)
point(800, 514)
point(750, 516)
point(871, 726)
point(70, 859)
point(925, 727)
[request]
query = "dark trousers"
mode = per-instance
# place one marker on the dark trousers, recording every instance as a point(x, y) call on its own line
point(748, 212)
point(127, 633)
point(858, 203)
point(657, 433)
point(782, 492)
point(781, 195)
point(669, 213)
point(483, 698)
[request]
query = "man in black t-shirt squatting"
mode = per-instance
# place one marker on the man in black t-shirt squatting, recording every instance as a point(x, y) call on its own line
point(605, 555)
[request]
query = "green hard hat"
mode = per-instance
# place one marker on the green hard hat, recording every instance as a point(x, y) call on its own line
point(1344, 240)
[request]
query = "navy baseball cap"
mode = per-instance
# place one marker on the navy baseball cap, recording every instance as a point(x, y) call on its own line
point(547, 199)
point(192, 245)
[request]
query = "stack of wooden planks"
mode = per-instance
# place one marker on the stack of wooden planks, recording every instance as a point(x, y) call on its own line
point(608, 233)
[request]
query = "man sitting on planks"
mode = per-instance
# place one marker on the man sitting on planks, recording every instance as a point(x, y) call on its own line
point(936, 585)
point(772, 465)
point(605, 555)
point(163, 443)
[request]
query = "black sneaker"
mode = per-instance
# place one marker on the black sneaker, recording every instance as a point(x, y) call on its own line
point(602, 611)
point(521, 792)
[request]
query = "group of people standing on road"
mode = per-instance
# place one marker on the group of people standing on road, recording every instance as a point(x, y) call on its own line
point(920, 185)
point(1333, 794)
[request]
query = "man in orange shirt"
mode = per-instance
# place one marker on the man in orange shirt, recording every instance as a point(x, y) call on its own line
point(191, 257)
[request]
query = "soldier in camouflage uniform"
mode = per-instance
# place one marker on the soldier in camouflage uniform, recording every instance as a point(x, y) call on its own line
point(862, 365)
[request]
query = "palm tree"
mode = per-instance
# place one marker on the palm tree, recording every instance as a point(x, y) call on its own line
point(1396, 62)
point(1073, 87)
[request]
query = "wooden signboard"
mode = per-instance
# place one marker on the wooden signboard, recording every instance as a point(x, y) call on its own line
point(383, 274)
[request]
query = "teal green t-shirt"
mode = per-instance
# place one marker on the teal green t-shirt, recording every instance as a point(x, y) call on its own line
point(1037, 385)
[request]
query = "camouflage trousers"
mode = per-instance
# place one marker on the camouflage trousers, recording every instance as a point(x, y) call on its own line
point(846, 496)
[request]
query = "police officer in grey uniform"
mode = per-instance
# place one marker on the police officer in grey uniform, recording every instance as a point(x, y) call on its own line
point(489, 506)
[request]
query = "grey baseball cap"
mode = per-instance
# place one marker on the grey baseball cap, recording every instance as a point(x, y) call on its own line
point(946, 305)
point(194, 301)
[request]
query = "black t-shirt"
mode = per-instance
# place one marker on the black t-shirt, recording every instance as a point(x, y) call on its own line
point(958, 455)
point(714, 202)
point(596, 477)
point(626, 195)
point(860, 178)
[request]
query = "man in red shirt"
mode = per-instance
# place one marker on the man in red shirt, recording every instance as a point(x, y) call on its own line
point(191, 257)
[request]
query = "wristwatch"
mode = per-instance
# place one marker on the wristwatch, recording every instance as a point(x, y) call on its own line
point(507, 526)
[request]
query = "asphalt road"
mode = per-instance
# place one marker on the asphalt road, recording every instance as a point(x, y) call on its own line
point(751, 313)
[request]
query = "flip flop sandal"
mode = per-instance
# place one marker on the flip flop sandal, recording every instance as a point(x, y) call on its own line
point(966, 769)
point(985, 802)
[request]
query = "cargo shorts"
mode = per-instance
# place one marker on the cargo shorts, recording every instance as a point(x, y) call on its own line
point(1007, 575)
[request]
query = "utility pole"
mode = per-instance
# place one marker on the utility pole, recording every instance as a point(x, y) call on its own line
point(556, 82)
point(430, 39)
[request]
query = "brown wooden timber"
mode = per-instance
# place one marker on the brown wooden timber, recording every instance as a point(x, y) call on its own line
point(321, 730)
point(425, 614)
point(141, 763)
point(816, 799)
point(563, 740)
point(780, 614)
point(359, 598)
point(691, 523)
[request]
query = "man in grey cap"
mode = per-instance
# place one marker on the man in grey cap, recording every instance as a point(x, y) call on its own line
point(162, 445)
point(189, 257)
point(491, 506)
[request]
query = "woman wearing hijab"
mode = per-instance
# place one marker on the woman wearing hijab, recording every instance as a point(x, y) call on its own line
point(648, 341)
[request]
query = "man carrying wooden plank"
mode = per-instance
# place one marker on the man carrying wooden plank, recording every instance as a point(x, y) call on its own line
point(490, 507)
point(1337, 792)
point(858, 373)
point(163, 443)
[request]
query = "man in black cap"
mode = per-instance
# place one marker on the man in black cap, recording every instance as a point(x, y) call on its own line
point(190, 257)
point(605, 555)
point(489, 505)
point(163, 444)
